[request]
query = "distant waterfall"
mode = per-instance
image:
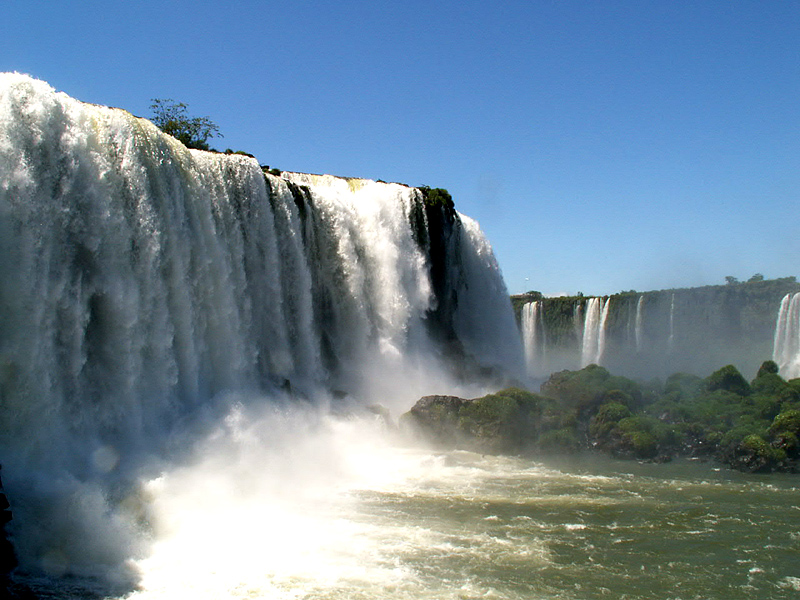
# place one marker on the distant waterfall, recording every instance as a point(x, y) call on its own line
point(533, 337)
point(639, 324)
point(786, 350)
point(594, 331)
point(671, 338)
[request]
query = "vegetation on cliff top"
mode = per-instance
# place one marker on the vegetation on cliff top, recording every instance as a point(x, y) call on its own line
point(172, 118)
point(750, 426)
point(437, 197)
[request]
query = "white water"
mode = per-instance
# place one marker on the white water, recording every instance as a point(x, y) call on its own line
point(639, 330)
point(671, 339)
point(153, 295)
point(787, 337)
point(594, 331)
point(533, 339)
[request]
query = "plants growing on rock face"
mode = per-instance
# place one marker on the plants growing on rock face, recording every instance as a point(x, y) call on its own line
point(437, 197)
point(172, 118)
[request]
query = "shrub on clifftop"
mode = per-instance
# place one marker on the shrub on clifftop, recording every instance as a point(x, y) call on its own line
point(171, 117)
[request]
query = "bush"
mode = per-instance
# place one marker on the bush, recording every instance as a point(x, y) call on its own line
point(758, 446)
point(787, 421)
point(171, 118)
point(643, 444)
point(607, 417)
point(728, 378)
point(767, 367)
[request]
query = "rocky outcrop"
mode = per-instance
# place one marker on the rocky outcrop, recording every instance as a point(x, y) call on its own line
point(436, 418)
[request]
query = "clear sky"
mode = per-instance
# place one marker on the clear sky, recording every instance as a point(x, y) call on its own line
point(602, 145)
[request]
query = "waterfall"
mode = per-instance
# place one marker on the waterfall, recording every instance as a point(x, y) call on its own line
point(577, 322)
point(639, 324)
point(671, 338)
point(147, 287)
point(786, 350)
point(594, 331)
point(533, 337)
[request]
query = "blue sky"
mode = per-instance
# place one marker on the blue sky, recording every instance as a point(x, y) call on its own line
point(602, 146)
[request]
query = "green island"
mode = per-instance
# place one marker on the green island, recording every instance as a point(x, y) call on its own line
point(749, 426)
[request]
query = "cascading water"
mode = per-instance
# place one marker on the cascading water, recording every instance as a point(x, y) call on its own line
point(671, 338)
point(149, 291)
point(639, 333)
point(594, 331)
point(786, 350)
point(533, 339)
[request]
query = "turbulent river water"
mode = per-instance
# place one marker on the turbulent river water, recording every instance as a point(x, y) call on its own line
point(338, 509)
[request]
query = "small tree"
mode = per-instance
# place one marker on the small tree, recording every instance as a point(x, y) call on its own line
point(171, 118)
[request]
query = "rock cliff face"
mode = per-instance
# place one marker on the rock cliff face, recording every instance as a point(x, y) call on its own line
point(655, 334)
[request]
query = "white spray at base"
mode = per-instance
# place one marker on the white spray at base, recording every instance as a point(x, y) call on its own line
point(786, 351)
point(151, 293)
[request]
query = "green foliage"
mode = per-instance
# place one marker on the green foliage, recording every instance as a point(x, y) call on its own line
point(642, 443)
point(757, 445)
point(683, 384)
point(509, 418)
point(768, 367)
point(607, 418)
point(435, 197)
point(786, 422)
point(773, 384)
point(586, 389)
point(728, 378)
point(172, 118)
point(752, 428)
point(238, 152)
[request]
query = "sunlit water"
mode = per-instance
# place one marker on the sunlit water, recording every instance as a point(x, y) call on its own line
point(338, 510)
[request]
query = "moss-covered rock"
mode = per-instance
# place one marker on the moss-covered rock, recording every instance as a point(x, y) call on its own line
point(435, 418)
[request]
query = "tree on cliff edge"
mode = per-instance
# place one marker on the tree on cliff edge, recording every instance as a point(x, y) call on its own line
point(171, 118)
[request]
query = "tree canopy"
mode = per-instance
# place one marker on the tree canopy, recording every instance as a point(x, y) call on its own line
point(172, 118)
